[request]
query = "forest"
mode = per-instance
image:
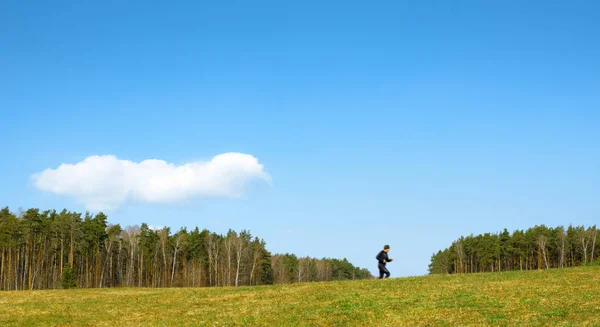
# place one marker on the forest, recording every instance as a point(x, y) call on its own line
point(539, 247)
point(50, 249)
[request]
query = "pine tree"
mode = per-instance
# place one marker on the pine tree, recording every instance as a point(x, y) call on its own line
point(69, 277)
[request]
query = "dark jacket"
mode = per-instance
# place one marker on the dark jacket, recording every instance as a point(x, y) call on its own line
point(382, 256)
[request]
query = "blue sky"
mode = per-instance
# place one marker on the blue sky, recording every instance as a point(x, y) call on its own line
point(402, 122)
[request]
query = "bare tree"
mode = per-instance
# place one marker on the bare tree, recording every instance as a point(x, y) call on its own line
point(304, 269)
point(113, 232)
point(179, 238)
point(542, 239)
point(323, 270)
point(584, 243)
point(240, 243)
point(132, 236)
point(212, 244)
point(228, 243)
point(108, 246)
point(278, 272)
point(119, 262)
point(164, 238)
point(255, 257)
point(301, 271)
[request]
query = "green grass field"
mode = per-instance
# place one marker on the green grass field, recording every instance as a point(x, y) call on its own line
point(569, 297)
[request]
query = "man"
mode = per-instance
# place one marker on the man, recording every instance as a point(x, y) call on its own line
point(382, 257)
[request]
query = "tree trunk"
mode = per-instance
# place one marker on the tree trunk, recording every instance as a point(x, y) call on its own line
point(237, 271)
point(572, 259)
point(72, 249)
point(141, 268)
point(22, 273)
point(55, 270)
point(2, 273)
point(562, 251)
point(227, 242)
point(119, 280)
point(98, 263)
point(521, 262)
point(87, 271)
point(105, 264)
point(62, 240)
point(165, 265)
point(174, 262)
point(185, 275)
point(109, 279)
point(584, 245)
point(216, 266)
point(254, 261)
point(210, 268)
point(30, 266)
point(594, 235)
point(131, 280)
point(39, 269)
point(17, 268)
point(9, 260)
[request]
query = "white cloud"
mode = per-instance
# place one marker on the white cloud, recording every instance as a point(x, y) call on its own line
point(105, 182)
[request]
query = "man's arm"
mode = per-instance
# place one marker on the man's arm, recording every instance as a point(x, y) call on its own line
point(387, 258)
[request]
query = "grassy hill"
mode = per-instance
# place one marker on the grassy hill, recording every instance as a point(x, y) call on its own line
point(569, 297)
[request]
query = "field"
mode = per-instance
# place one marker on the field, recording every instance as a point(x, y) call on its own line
point(569, 297)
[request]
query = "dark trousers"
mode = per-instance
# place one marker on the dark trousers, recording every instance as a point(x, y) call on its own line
point(383, 271)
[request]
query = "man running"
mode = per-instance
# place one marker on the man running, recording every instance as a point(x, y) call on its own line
point(383, 258)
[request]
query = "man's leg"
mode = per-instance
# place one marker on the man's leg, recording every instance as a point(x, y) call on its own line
point(386, 272)
point(381, 270)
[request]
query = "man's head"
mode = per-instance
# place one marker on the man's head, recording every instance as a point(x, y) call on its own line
point(386, 248)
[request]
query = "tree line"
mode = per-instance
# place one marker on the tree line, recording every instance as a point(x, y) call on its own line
point(288, 268)
point(50, 249)
point(539, 247)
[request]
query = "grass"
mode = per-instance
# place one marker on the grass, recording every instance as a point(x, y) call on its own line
point(569, 297)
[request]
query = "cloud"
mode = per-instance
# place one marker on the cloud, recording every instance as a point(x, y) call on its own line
point(106, 182)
